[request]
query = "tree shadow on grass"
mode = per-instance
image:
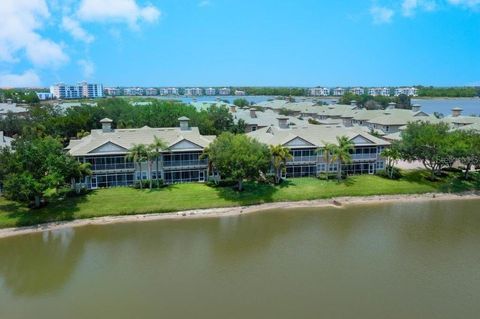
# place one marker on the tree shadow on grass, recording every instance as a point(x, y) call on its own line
point(58, 210)
point(253, 193)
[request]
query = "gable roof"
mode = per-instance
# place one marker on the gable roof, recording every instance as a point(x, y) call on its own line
point(126, 138)
point(317, 135)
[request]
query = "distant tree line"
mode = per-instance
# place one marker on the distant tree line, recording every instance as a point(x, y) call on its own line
point(431, 91)
point(65, 124)
point(371, 102)
point(19, 96)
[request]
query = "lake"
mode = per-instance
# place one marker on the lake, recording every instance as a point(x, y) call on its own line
point(442, 105)
point(397, 260)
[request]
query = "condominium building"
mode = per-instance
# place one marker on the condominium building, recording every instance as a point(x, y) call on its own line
point(319, 91)
point(133, 91)
point(239, 92)
point(357, 91)
point(306, 143)
point(410, 91)
point(113, 91)
point(210, 91)
point(193, 91)
point(224, 91)
point(338, 91)
point(106, 149)
point(151, 91)
point(169, 91)
point(43, 96)
point(78, 91)
point(379, 91)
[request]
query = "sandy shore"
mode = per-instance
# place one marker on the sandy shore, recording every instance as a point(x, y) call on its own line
point(337, 202)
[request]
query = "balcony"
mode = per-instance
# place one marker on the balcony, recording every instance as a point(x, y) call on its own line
point(303, 159)
point(366, 156)
point(185, 164)
point(113, 167)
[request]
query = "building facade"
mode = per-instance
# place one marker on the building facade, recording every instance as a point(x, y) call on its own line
point(338, 91)
point(410, 91)
point(210, 91)
point(357, 91)
point(169, 91)
point(306, 145)
point(78, 91)
point(151, 91)
point(106, 150)
point(319, 91)
point(193, 91)
point(224, 91)
point(379, 91)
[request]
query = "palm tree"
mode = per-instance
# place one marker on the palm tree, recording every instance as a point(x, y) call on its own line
point(80, 171)
point(341, 153)
point(392, 156)
point(327, 150)
point(280, 156)
point(156, 147)
point(137, 154)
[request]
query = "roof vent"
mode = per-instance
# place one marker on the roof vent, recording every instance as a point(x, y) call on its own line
point(457, 111)
point(184, 123)
point(106, 125)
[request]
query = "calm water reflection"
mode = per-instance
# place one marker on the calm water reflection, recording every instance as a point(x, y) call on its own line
point(414, 260)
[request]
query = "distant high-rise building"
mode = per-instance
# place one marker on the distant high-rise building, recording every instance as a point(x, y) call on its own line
point(168, 91)
point(113, 91)
point(151, 91)
point(78, 91)
point(379, 91)
point(338, 91)
point(193, 91)
point(357, 91)
point(319, 91)
point(210, 91)
point(224, 91)
point(410, 91)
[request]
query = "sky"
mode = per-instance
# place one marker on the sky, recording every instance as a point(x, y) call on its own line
point(240, 43)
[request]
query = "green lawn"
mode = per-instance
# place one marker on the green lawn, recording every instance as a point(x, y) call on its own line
point(121, 201)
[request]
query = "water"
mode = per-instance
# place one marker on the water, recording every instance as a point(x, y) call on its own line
point(442, 105)
point(410, 260)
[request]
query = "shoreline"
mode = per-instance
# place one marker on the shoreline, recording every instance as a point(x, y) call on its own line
point(337, 202)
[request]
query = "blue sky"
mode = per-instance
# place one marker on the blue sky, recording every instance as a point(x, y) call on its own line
point(232, 42)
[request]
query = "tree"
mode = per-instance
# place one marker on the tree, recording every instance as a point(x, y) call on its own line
point(468, 148)
point(238, 157)
point(137, 154)
point(427, 143)
point(341, 153)
point(157, 146)
point(280, 156)
point(36, 166)
point(392, 155)
point(327, 152)
point(241, 102)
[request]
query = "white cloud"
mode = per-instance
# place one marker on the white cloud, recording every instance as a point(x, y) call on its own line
point(123, 11)
point(381, 15)
point(27, 79)
point(410, 6)
point(473, 4)
point(19, 34)
point(77, 32)
point(88, 68)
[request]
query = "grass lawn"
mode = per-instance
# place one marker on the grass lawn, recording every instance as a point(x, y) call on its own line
point(124, 200)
